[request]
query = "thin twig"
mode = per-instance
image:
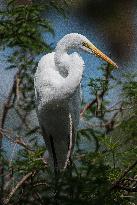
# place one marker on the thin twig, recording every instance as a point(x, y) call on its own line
point(129, 189)
point(100, 96)
point(40, 184)
point(12, 155)
point(6, 107)
point(116, 184)
point(18, 140)
point(19, 184)
point(17, 87)
point(23, 118)
point(24, 2)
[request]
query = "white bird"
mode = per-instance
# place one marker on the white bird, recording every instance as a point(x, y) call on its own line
point(57, 90)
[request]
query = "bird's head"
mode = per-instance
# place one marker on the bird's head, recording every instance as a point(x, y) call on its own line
point(78, 41)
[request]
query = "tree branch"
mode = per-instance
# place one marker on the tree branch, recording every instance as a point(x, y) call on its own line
point(101, 94)
point(117, 183)
point(17, 140)
point(7, 106)
point(19, 184)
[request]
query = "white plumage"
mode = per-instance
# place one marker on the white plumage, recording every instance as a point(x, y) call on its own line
point(57, 90)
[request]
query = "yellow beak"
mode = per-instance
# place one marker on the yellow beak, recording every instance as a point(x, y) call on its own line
point(99, 53)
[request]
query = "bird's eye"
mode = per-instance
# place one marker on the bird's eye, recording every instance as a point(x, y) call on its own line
point(85, 44)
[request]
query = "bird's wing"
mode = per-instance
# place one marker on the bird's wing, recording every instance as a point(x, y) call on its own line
point(60, 148)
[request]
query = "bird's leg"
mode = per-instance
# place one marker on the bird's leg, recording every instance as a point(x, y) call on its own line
point(55, 163)
point(50, 141)
point(56, 170)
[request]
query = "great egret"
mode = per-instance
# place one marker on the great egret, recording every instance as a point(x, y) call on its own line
point(57, 90)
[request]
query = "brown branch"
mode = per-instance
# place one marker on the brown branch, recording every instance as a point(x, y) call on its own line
point(87, 107)
point(23, 144)
point(19, 184)
point(117, 183)
point(17, 86)
point(40, 184)
point(23, 118)
point(110, 124)
point(18, 140)
point(120, 109)
point(100, 96)
point(128, 189)
point(6, 107)
point(24, 2)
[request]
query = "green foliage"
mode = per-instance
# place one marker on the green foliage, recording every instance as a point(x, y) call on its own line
point(130, 88)
point(103, 82)
point(24, 24)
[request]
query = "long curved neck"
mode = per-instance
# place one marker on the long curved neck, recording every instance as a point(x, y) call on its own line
point(61, 58)
point(68, 42)
point(70, 68)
